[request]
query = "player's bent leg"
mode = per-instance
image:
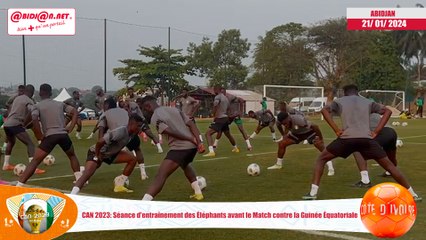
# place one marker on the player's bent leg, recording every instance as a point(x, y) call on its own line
point(231, 139)
point(25, 139)
point(167, 167)
point(282, 146)
point(32, 166)
point(209, 138)
point(10, 144)
point(130, 160)
point(322, 159)
point(192, 178)
point(362, 166)
point(89, 170)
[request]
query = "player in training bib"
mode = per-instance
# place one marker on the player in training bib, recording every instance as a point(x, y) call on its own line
point(297, 130)
point(108, 150)
point(266, 119)
point(50, 115)
point(184, 142)
point(355, 136)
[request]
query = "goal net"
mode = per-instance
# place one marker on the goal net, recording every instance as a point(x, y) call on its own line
point(394, 100)
point(303, 98)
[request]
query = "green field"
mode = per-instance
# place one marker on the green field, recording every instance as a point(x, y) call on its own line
point(228, 181)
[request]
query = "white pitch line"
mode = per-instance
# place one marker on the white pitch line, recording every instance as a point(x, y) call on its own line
point(419, 136)
point(148, 166)
point(332, 235)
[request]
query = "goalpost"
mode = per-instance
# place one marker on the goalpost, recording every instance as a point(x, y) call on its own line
point(390, 98)
point(298, 97)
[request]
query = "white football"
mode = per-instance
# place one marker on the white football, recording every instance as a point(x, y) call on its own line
point(404, 124)
point(49, 160)
point(397, 123)
point(253, 169)
point(19, 169)
point(399, 143)
point(201, 182)
point(393, 123)
point(305, 142)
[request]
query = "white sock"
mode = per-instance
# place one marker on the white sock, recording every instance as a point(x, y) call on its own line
point(134, 153)
point(142, 168)
point(91, 135)
point(4, 145)
point(75, 190)
point(330, 165)
point(159, 148)
point(77, 175)
point(411, 190)
point(388, 173)
point(280, 161)
point(253, 135)
point(274, 136)
point(201, 138)
point(314, 190)
point(196, 187)
point(147, 197)
point(30, 159)
point(160, 137)
point(211, 149)
point(6, 160)
point(248, 143)
point(364, 177)
point(78, 134)
point(19, 184)
point(216, 141)
point(120, 180)
point(235, 146)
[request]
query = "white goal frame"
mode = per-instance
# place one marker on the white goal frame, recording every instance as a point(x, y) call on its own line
point(396, 93)
point(294, 87)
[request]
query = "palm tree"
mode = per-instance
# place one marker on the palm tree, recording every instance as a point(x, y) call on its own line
point(412, 45)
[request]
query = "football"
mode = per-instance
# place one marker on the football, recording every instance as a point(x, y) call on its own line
point(201, 182)
point(19, 169)
point(399, 143)
point(397, 123)
point(253, 169)
point(404, 124)
point(388, 210)
point(49, 160)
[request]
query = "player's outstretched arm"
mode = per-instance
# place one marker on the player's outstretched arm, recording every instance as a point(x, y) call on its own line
point(36, 127)
point(139, 155)
point(326, 112)
point(73, 120)
point(317, 130)
point(386, 113)
point(99, 144)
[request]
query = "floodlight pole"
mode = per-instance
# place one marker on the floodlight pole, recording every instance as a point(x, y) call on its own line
point(105, 55)
point(24, 60)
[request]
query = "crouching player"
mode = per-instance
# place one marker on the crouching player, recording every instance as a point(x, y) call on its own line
point(298, 129)
point(184, 142)
point(108, 149)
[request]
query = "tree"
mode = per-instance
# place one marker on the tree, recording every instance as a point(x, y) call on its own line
point(221, 61)
point(163, 72)
point(283, 57)
point(379, 67)
point(336, 52)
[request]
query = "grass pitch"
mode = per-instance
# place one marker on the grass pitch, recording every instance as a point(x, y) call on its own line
point(227, 181)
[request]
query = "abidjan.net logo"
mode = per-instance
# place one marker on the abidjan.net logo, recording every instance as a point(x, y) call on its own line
point(35, 212)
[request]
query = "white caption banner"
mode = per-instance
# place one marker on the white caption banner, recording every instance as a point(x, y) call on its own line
point(41, 21)
point(97, 214)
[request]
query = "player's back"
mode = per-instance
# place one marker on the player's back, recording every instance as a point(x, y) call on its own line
point(187, 104)
point(18, 111)
point(114, 118)
point(355, 113)
point(51, 115)
point(175, 121)
point(222, 106)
